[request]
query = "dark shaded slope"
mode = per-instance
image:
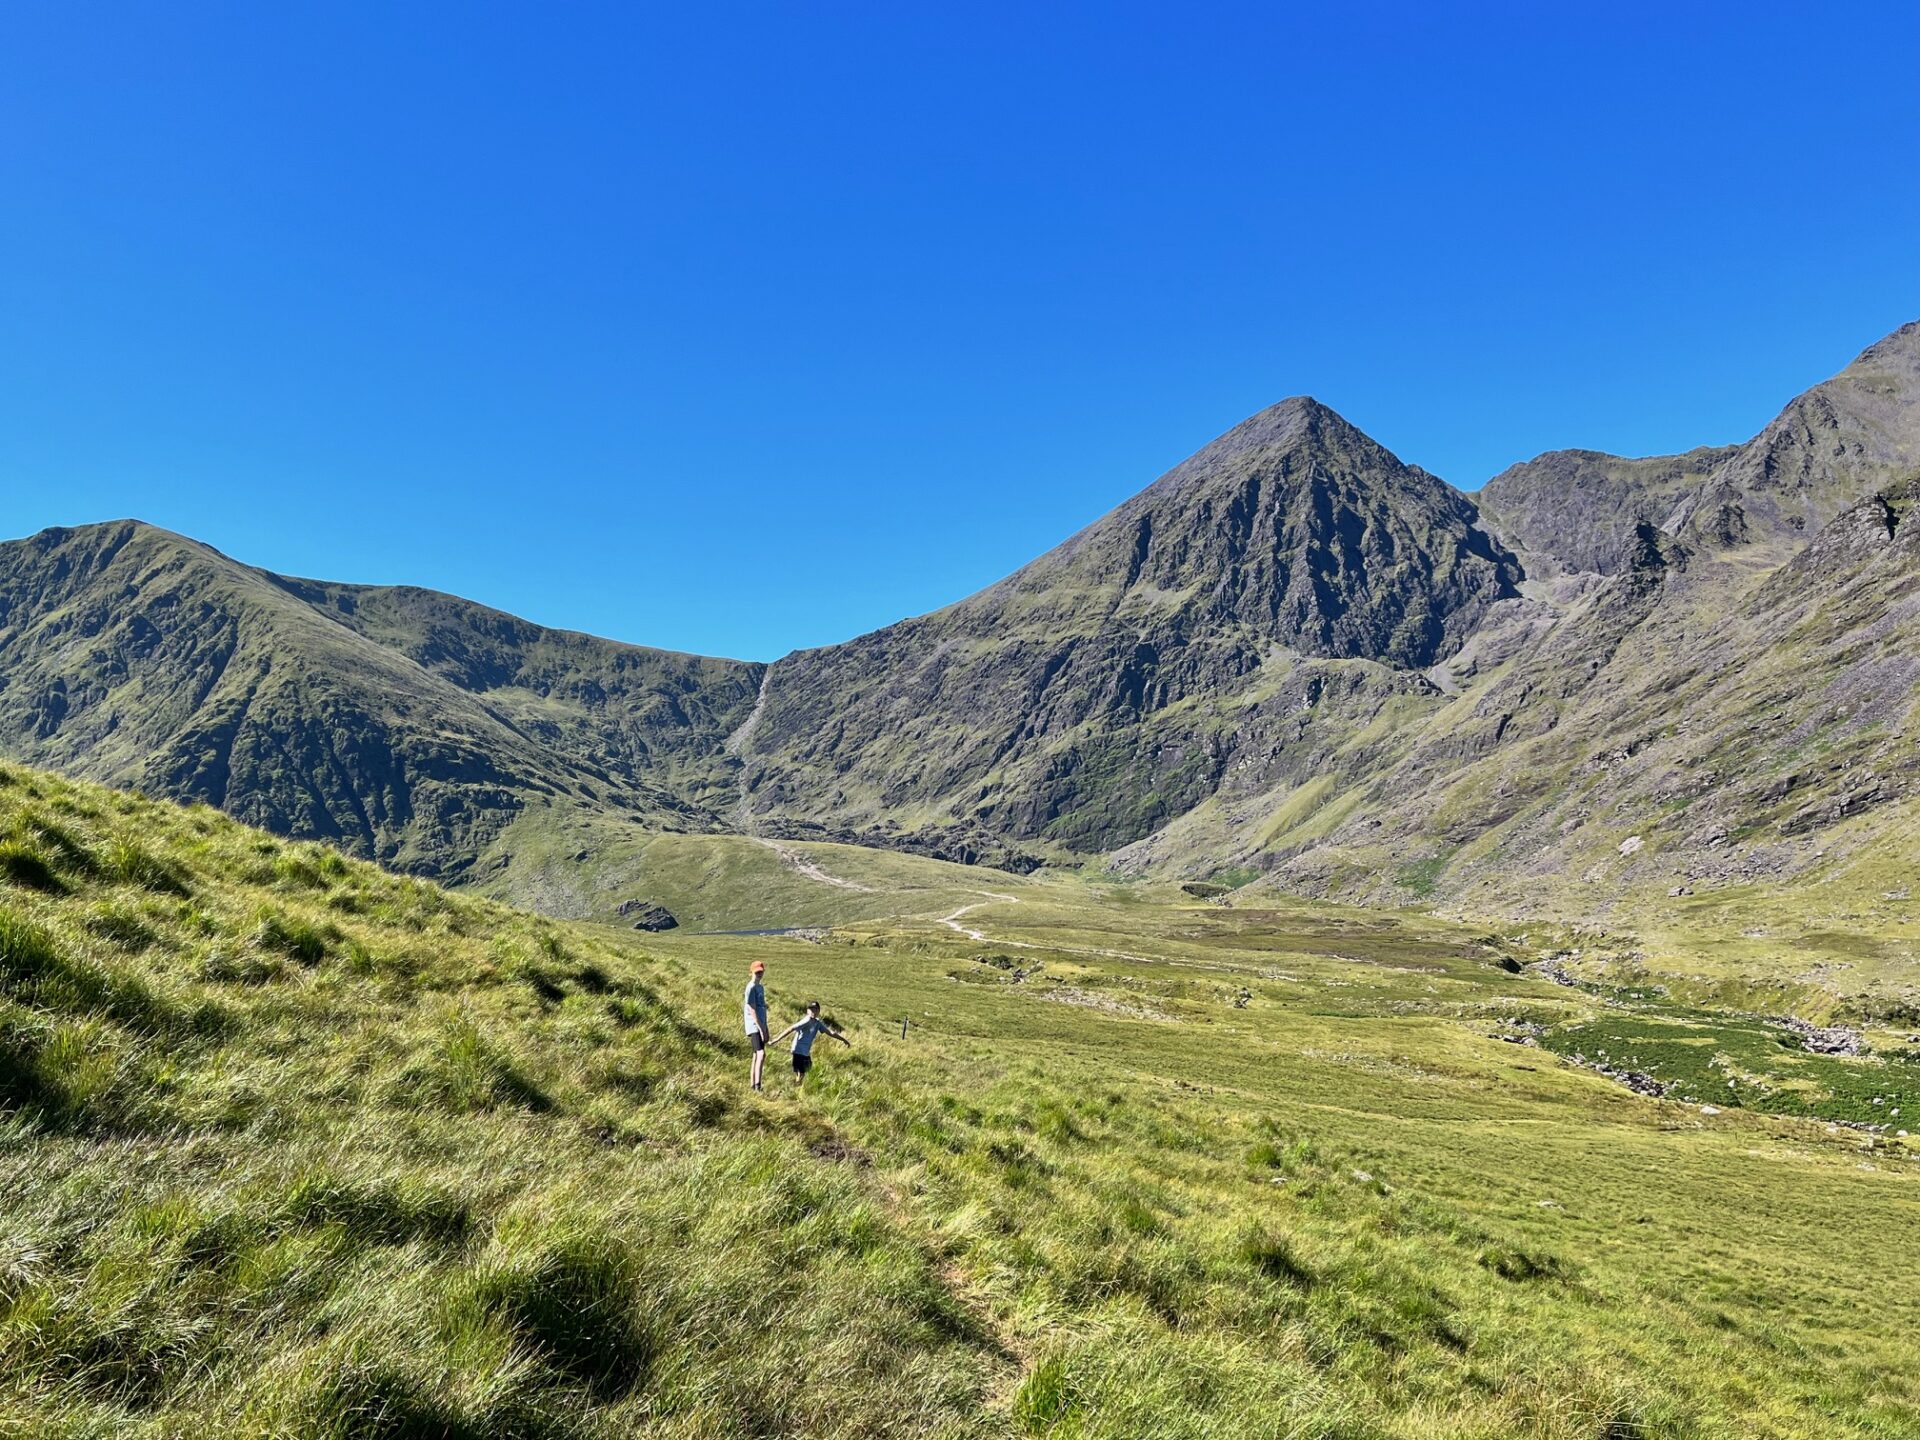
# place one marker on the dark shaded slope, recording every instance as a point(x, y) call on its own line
point(630, 715)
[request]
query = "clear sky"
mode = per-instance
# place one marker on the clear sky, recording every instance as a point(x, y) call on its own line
point(737, 328)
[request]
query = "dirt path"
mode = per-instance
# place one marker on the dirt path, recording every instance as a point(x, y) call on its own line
point(801, 865)
point(980, 937)
point(952, 921)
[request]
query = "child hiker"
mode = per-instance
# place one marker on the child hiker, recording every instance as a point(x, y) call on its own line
point(804, 1031)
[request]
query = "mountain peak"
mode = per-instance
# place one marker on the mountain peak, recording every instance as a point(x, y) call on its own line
point(1298, 437)
point(1824, 451)
point(1901, 348)
point(1285, 425)
point(1296, 526)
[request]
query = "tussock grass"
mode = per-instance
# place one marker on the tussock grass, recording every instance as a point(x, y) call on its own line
point(131, 864)
point(23, 865)
point(292, 1147)
point(282, 1167)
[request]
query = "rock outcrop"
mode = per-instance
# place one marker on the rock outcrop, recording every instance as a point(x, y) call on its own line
point(646, 915)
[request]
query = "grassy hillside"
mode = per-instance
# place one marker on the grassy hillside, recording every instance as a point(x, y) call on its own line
point(587, 867)
point(299, 1148)
point(399, 724)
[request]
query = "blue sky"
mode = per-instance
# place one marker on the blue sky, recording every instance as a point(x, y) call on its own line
point(737, 328)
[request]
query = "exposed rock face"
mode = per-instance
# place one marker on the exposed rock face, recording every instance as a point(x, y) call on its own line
point(1857, 430)
point(1580, 510)
point(1297, 528)
point(645, 915)
point(1095, 694)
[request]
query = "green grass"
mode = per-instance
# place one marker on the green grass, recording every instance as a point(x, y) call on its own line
point(297, 1148)
point(312, 1153)
point(1724, 1060)
point(1419, 877)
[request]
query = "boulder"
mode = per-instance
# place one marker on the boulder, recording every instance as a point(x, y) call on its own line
point(646, 915)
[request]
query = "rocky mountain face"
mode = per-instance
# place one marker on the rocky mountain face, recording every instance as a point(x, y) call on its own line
point(1680, 708)
point(1292, 656)
point(1095, 694)
point(1582, 512)
point(1576, 508)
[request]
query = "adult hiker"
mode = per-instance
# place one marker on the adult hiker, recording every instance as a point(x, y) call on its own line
point(753, 1013)
point(804, 1031)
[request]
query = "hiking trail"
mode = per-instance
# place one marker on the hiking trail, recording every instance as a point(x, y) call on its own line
point(801, 865)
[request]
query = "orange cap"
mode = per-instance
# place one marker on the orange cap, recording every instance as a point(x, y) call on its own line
point(758, 966)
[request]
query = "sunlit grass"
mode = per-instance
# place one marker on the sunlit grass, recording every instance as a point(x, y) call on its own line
point(292, 1146)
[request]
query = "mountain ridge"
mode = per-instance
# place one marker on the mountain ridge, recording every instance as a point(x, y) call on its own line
point(1292, 655)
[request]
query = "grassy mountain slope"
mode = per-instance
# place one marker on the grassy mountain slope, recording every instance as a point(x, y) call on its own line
point(299, 1148)
point(406, 726)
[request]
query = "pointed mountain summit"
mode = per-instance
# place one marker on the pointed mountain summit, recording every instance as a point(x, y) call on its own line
point(1291, 538)
point(1296, 423)
point(1300, 528)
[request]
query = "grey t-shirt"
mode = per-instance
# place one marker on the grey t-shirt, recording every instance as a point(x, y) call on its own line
point(804, 1032)
point(753, 1008)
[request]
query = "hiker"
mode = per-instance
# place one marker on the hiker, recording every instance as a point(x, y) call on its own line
point(803, 1032)
point(753, 1011)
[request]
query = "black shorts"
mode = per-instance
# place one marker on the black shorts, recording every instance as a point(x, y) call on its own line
point(802, 1064)
point(757, 1041)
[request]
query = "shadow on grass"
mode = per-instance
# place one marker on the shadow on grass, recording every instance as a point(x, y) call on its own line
point(575, 1304)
